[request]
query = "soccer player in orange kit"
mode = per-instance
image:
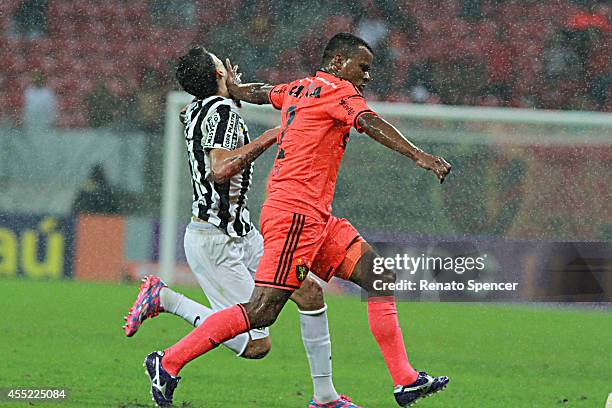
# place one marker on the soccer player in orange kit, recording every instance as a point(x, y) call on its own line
point(300, 234)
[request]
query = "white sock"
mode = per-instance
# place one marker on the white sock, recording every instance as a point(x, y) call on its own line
point(315, 335)
point(195, 313)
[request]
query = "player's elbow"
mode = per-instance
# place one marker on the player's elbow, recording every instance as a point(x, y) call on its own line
point(218, 178)
point(220, 174)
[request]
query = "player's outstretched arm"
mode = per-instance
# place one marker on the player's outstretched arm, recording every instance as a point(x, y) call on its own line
point(226, 163)
point(256, 93)
point(384, 133)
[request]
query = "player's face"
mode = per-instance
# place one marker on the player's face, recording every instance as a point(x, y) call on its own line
point(356, 68)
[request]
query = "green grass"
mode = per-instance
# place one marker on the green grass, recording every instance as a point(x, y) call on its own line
point(67, 335)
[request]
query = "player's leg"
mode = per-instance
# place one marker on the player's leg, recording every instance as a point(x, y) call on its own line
point(409, 385)
point(317, 341)
point(289, 239)
point(245, 345)
point(214, 262)
point(261, 311)
point(313, 323)
point(201, 246)
point(382, 316)
point(217, 262)
point(163, 367)
point(346, 255)
point(155, 297)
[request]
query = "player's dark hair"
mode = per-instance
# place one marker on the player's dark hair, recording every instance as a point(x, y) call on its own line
point(344, 44)
point(196, 72)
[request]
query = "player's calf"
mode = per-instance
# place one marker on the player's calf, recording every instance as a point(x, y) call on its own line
point(257, 349)
point(382, 319)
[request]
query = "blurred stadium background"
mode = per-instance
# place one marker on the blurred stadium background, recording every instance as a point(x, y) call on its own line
point(83, 105)
point(84, 139)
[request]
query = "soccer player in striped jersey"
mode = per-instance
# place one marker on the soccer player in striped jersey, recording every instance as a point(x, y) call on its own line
point(222, 246)
point(299, 231)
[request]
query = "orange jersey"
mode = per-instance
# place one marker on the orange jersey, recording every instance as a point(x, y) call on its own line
point(317, 114)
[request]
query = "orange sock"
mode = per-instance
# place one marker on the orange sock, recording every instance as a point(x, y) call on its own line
point(217, 328)
point(382, 317)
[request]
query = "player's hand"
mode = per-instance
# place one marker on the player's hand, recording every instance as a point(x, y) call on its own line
point(234, 78)
point(437, 164)
point(271, 133)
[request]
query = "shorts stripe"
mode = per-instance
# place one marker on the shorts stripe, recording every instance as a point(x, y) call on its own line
point(297, 240)
point(289, 235)
point(292, 244)
point(357, 238)
point(329, 272)
point(274, 285)
point(246, 318)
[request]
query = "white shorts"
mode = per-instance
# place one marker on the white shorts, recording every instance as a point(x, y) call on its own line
point(224, 266)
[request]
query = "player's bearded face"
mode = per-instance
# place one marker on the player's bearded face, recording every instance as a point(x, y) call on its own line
point(356, 68)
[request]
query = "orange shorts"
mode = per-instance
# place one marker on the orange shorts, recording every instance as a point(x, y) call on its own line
point(295, 244)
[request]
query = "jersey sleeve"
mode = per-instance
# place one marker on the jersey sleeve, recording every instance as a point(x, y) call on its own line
point(348, 106)
point(277, 95)
point(220, 129)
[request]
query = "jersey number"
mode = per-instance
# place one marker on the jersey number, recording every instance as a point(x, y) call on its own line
point(290, 117)
point(296, 91)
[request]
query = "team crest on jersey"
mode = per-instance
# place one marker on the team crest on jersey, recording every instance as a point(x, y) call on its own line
point(301, 270)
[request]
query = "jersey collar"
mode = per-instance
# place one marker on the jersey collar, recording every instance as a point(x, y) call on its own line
point(210, 98)
point(230, 101)
point(329, 77)
point(337, 80)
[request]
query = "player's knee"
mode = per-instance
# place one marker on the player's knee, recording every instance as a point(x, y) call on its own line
point(257, 349)
point(387, 276)
point(374, 269)
point(310, 296)
point(265, 306)
point(368, 272)
point(265, 320)
point(262, 314)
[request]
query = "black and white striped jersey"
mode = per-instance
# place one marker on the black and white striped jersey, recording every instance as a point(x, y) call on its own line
point(214, 123)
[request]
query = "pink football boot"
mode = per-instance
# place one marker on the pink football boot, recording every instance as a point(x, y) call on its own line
point(147, 304)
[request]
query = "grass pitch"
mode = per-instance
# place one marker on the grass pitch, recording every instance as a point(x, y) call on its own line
point(67, 335)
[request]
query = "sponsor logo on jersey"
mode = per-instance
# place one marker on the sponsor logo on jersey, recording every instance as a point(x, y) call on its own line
point(211, 128)
point(346, 106)
point(231, 136)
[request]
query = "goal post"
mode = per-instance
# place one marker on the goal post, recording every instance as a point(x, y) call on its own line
point(445, 129)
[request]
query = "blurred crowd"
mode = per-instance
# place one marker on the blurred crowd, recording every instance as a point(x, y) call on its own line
point(110, 63)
